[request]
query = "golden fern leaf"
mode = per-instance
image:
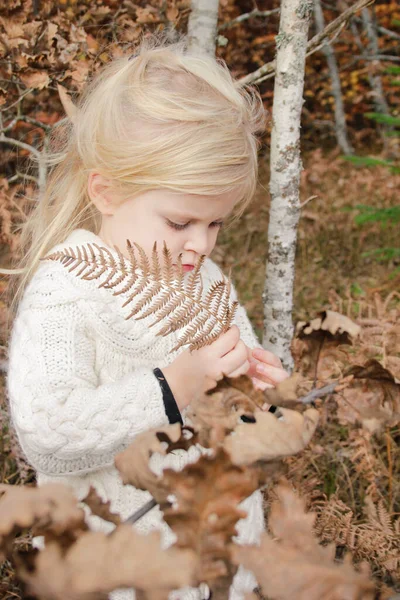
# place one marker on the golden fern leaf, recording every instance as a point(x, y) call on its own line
point(384, 517)
point(157, 288)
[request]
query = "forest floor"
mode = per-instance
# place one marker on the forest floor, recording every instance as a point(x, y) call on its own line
point(346, 466)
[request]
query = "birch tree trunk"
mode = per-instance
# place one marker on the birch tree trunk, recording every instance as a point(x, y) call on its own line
point(373, 50)
point(340, 117)
point(286, 165)
point(202, 26)
point(374, 78)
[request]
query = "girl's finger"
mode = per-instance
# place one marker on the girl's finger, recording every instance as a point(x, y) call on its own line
point(235, 359)
point(253, 370)
point(270, 374)
point(267, 357)
point(240, 371)
point(261, 385)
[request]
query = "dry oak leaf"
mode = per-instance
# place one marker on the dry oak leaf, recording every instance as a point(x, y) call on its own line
point(204, 511)
point(319, 345)
point(218, 411)
point(133, 463)
point(146, 15)
point(299, 567)
point(52, 509)
point(270, 438)
point(158, 289)
point(330, 325)
point(98, 564)
point(372, 399)
point(285, 393)
point(79, 73)
point(35, 79)
point(100, 508)
point(242, 384)
point(233, 401)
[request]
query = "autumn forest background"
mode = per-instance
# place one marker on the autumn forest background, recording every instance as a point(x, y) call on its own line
point(348, 256)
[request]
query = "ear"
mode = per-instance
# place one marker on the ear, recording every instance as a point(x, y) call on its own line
point(100, 193)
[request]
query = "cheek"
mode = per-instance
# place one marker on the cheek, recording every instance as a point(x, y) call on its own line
point(213, 236)
point(173, 239)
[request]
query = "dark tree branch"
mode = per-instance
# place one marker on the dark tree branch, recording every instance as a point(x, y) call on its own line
point(245, 16)
point(268, 70)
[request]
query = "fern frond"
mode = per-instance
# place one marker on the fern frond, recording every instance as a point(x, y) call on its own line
point(154, 287)
point(385, 520)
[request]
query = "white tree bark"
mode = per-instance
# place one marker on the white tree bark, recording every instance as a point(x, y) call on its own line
point(340, 117)
point(202, 26)
point(285, 175)
point(374, 77)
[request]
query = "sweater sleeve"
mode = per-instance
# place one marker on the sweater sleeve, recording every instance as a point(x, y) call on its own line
point(68, 421)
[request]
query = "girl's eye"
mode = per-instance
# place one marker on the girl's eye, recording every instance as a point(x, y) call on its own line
point(177, 225)
point(180, 227)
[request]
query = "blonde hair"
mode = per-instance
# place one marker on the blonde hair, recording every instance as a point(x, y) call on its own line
point(162, 118)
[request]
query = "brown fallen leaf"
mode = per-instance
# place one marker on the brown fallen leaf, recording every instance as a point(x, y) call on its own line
point(299, 567)
point(98, 564)
point(287, 393)
point(217, 412)
point(235, 400)
point(270, 438)
point(133, 463)
point(52, 509)
point(204, 511)
point(372, 370)
point(35, 79)
point(100, 508)
point(329, 324)
point(321, 341)
point(373, 398)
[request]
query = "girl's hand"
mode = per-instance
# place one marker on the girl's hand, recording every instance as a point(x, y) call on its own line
point(199, 370)
point(265, 368)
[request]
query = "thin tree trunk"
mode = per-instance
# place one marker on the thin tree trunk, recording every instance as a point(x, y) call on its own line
point(202, 26)
point(285, 176)
point(375, 81)
point(374, 77)
point(340, 117)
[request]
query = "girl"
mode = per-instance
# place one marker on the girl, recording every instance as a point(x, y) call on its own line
point(162, 146)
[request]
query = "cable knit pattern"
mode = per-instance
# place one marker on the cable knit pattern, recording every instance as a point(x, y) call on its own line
point(81, 387)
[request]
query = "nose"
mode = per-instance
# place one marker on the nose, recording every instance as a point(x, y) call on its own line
point(198, 241)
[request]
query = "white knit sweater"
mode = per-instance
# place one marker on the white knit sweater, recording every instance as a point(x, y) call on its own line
point(81, 386)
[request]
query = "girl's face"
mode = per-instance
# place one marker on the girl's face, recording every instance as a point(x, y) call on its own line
point(189, 224)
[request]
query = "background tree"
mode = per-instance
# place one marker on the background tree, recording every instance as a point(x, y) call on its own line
point(340, 117)
point(373, 63)
point(202, 25)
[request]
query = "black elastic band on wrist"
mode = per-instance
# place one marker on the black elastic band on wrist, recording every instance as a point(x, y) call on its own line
point(171, 408)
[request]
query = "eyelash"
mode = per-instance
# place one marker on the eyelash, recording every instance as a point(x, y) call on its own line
point(181, 227)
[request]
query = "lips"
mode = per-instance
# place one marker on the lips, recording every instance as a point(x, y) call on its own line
point(185, 268)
